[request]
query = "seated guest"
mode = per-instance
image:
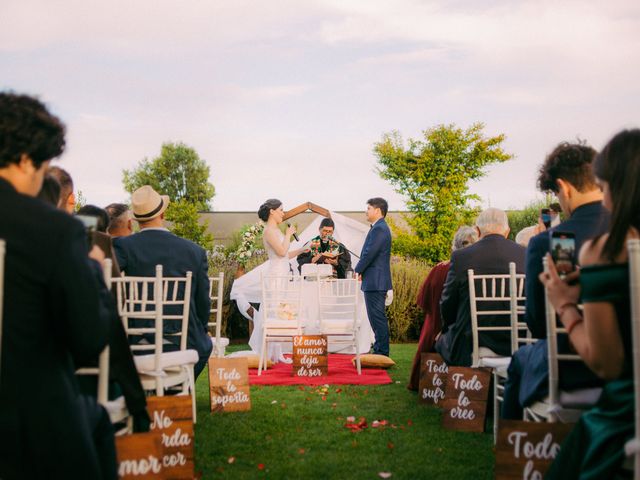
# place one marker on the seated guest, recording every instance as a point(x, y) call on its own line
point(51, 320)
point(123, 375)
point(567, 172)
point(326, 249)
point(139, 254)
point(489, 255)
point(67, 200)
point(429, 301)
point(601, 332)
point(50, 191)
point(99, 213)
point(119, 220)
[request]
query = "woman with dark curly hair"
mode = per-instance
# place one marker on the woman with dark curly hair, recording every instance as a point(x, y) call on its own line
point(601, 331)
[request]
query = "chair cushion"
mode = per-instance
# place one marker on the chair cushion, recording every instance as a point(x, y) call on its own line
point(252, 358)
point(374, 361)
point(224, 342)
point(584, 398)
point(146, 363)
point(500, 363)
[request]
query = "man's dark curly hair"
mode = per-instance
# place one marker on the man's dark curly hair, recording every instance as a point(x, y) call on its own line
point(26, 127)
point(570, 162)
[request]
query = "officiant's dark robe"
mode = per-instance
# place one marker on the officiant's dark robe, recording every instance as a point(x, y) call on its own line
point(344, 258)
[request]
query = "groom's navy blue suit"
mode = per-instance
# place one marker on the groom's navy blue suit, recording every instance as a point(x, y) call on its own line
point(139, 254)
point(375, 270)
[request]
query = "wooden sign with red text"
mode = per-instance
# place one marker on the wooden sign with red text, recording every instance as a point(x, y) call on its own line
point(310, 356)
point(433, 379)
point(139, 456)
point(525, 450)
point(465, 399)
point(172, 420)
point(229, 384)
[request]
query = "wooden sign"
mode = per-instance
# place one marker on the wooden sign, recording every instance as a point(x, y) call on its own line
point(310, 356)
point(172, 420)
point(229, 384)
point(139, 456)
point(465, 399)
point(433, 379)
point(525, 450)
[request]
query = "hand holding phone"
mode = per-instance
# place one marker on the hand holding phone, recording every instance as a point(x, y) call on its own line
point(563, 252)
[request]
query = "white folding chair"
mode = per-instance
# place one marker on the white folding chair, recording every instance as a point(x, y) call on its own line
point(280, 308)
point(632, 447)
point(2, 255)
point(216, 294)
point(116, 408)
point(559, 406)
point(490, 295)
point(147, 306)
point(338, 312)
point(520, 335)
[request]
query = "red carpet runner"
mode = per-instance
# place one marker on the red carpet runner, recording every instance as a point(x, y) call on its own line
point(341, 372)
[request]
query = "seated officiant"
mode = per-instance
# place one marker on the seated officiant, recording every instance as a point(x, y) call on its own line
point(326, 249)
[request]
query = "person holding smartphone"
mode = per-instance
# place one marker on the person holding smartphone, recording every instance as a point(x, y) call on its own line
point(567, 173)
point(601, 332)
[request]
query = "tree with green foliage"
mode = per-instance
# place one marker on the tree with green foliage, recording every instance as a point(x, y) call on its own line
point(180, 173)
point(433, 173)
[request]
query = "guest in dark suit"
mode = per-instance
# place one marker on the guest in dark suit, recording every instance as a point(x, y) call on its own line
point(566, 172)
point(429, 301)
point(51, 321)
point(490, 255)
point(139, 254)
point(375, 271)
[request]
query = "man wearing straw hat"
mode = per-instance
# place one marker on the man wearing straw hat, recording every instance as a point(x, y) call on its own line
point(139, 254)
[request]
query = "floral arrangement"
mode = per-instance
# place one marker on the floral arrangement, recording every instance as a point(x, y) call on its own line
point(250, 245)
point(286, 311)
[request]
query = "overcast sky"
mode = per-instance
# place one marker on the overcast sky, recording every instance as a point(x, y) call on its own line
point(287, 98)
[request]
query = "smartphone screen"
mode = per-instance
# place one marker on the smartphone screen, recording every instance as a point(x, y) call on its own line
point(545, 216)
point(563, 252)
point(90, 223)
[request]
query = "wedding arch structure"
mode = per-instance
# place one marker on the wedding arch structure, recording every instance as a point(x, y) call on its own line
point(307, 207)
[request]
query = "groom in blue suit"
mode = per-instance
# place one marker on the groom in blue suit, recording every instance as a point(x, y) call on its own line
point(375, 271)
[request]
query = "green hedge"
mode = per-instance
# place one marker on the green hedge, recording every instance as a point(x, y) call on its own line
point(405, 318)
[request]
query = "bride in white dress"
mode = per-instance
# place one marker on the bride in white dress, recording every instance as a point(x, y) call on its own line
point(275, 243)
point(277, 246)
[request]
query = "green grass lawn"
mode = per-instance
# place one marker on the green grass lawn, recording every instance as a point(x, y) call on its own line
point(292, 433)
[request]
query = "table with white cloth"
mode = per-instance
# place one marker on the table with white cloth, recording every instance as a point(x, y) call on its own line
point(310, 317)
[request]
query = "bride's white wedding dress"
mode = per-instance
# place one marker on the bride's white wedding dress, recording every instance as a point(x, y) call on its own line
point(277, 266)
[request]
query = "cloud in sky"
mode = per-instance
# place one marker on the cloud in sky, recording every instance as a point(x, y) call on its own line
point(287, 98)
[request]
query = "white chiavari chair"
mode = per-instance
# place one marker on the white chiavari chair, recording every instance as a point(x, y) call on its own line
point(155, 313)
point(281, 311)
point(216, 294)
point(632, 447)
point(559, 405)
point(116, 408)
point(338, 313)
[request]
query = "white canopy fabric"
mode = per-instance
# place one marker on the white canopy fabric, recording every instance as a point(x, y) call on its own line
point(349, 232)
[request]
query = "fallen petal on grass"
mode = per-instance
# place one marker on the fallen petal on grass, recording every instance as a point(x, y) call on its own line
point(230, 460)
point(384, 474)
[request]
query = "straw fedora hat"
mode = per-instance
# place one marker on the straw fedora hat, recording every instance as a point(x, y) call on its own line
point(147, 204)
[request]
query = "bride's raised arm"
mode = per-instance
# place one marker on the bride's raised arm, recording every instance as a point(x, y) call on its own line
point(281, 247)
